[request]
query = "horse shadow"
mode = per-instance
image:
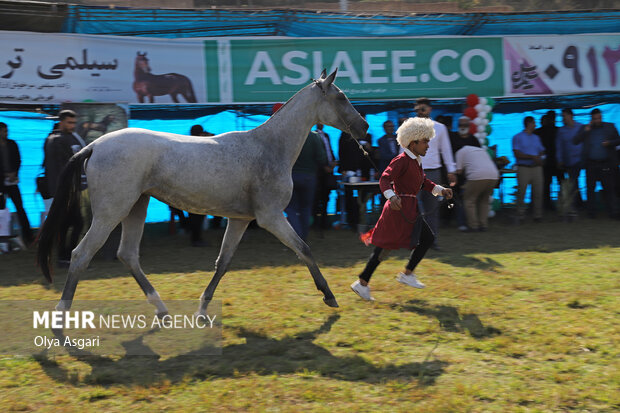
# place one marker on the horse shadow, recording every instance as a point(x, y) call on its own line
point(260, 354)
point(450, 320)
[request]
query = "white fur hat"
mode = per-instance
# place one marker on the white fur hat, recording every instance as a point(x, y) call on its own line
point(415, 129)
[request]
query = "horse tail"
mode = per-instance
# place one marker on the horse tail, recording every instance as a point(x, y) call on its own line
point(66, 198)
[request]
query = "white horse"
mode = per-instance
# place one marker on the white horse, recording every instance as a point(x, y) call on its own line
point(239, 175)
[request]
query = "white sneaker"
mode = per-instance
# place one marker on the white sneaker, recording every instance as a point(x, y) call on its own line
point(362, 291)
point(410, 280)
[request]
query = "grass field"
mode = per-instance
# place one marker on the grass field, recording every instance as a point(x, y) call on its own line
point(516, 319)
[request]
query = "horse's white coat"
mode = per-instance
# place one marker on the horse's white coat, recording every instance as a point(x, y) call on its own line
point(239, 175)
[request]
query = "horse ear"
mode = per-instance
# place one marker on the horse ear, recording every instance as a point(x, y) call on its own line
point(330, 79)
point(323, 74)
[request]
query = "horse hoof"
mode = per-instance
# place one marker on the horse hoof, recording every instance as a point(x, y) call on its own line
point(162, 314)
point(330, 302)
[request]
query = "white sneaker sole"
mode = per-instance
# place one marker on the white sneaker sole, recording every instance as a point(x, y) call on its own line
point(400, 280)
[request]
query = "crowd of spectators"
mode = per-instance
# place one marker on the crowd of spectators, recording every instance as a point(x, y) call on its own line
point(455, 159)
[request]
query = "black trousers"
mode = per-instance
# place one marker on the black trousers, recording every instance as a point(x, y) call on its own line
point(426, 240)
point(72, 223)
point(321, 199)
point(195, 226)
point(12, 191)
point(548, 173)
point(605, 174)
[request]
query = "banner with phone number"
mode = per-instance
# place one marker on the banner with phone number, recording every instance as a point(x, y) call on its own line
point(553, 65)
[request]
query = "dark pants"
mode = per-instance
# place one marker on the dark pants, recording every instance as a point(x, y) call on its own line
point(352, 208)
point(12, 191)
point(216, 222)
point(299, 209)
point(195, 226)
point(606, 175)
point(548, 173)
point(573, 179)
point(321, 200)
point(459, 209)
point(182, 218)
point(73, 222)
point(426, 240)
point(429, 204)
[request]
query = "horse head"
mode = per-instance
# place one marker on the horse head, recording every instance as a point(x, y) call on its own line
point(142, 63)
point(335, 109)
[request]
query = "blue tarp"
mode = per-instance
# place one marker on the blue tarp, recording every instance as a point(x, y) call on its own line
point(30, 130)
point(207, 23)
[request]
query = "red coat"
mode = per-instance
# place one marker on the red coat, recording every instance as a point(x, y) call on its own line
point(405, 177)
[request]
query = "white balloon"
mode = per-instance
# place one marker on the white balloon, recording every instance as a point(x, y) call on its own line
point(482, 114)
point(482, 101)
point(481, 128)
point(477, 135)
point(477, 121)
point(483, 135)
point(478, 107)
point(485, 122)
point(487, 108)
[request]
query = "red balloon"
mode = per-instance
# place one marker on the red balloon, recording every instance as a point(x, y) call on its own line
point(472, 100)
point(276, 107)
point(471, 113)
point(473, 128)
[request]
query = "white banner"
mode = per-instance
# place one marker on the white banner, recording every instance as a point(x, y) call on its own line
point(553, 65)
point(58, 68)
point(54, 68)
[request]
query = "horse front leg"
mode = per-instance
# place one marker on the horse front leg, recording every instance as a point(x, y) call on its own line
point(279, 226)
point(232, 237)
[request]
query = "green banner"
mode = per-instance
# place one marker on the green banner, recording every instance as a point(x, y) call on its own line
point(269, 70)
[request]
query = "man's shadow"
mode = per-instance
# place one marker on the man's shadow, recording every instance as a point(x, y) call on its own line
point(259, 354)
point(484, 264)
point(450, 319)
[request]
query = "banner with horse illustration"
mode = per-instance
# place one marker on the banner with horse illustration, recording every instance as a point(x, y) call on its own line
point(56, 68)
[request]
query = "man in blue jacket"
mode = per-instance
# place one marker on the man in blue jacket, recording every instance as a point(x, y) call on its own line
point(568, 156)
point(600, 159)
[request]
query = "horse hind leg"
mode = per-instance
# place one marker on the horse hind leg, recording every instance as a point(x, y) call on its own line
point(279, 226)
point(82, 255)
point(232, 237)
point(129, 252)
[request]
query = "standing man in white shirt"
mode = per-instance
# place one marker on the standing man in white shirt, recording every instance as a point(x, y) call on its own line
point(439, 148)
point(481, 176)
